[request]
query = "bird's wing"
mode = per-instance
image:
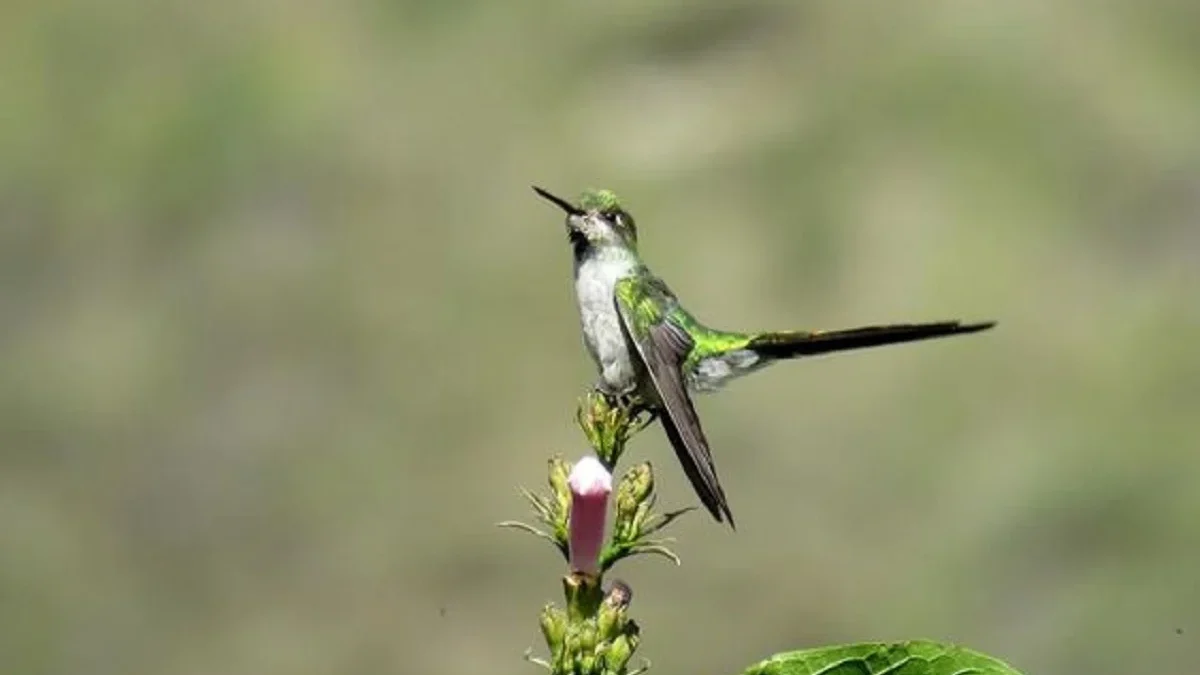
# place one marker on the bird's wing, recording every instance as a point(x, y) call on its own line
point(645, 305)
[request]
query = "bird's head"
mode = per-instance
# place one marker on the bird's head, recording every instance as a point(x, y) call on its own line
point(597, 222)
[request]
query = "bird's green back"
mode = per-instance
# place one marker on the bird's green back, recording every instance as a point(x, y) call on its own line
point(652, 302)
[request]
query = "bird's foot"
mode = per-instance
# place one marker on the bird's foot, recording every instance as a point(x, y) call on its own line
point(616, 398)
point(641, 413)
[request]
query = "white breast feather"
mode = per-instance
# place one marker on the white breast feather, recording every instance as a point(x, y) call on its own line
point(595, 281)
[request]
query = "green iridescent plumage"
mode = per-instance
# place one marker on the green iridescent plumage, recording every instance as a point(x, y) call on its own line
point(646, 299)
point(599, 200)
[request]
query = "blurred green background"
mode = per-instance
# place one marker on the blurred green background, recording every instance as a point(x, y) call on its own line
point(284, 327)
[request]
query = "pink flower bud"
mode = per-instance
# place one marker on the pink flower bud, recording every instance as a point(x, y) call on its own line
point(590, 485)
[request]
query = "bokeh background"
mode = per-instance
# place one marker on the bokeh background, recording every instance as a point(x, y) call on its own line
point(284, 328)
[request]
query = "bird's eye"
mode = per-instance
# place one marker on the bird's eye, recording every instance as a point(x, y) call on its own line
point(617, 218)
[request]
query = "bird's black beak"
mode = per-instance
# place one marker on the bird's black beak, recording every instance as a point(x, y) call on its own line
point(563, 204)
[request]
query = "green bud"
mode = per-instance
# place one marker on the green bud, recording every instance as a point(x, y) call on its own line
point(560, 469)
point(633, 494)
point(608, 621)
point(601, 406)
point(584, 419)
point(609, 423)
point(561, 663)
point(619, 653)
point(571, 649)
point(572, 639)
point(554, 627)
point(588, 638)
point(626, 495)
point(640, 518)
point(642, 478)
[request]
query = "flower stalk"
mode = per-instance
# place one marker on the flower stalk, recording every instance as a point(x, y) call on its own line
point(594, 634)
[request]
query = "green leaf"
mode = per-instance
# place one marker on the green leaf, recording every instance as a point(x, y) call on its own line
point(918, 657)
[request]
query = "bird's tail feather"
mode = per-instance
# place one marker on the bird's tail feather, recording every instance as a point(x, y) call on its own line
point(791, 344)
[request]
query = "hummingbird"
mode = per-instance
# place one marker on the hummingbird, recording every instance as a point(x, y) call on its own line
point(654, 354)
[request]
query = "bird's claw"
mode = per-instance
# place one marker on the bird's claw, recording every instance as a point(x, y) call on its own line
point(642, 414)
point(617, 399)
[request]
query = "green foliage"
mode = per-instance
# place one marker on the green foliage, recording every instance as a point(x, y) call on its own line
point(918, 657)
